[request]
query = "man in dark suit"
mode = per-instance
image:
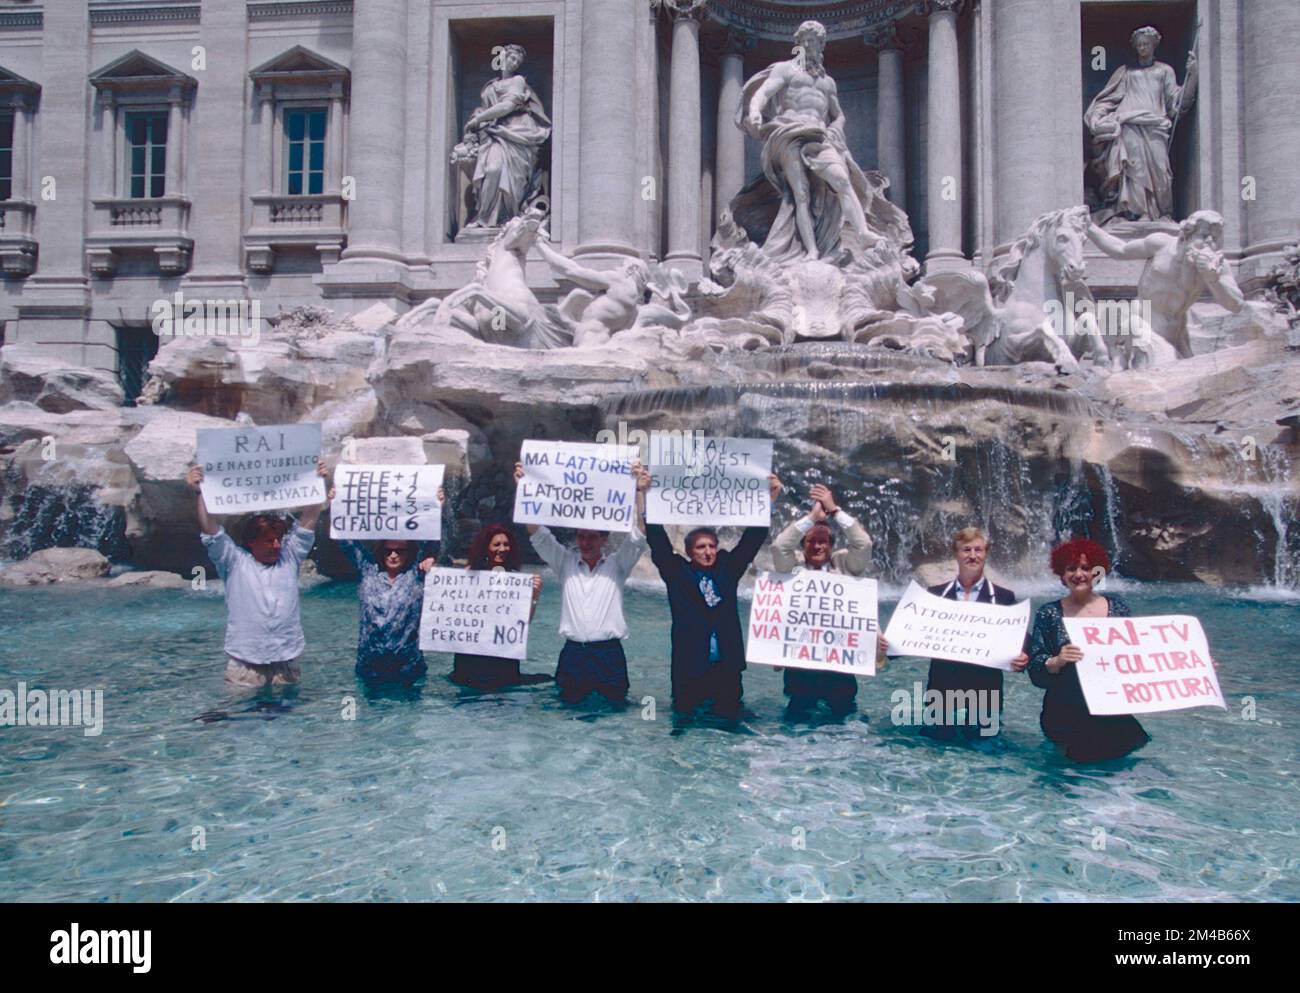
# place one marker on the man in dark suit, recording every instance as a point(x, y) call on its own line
point(970, 546)
point(708, 652)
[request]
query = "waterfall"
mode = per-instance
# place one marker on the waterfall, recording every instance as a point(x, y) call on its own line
point(1281, 504)
point(66, 516)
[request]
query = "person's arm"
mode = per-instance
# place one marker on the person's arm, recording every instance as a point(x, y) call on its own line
point(1222, 286)
point(775, 80)
point(857, 556)
point(746, 549)
point(537, 595)
point(296, 545)
point(547, 547)
point(785, 546)
point(661, 550)
point(195, 479)
point(222, 550)
point(1182, 97)
point(311, 516)
point(1116, 248)
point(426, 555)
point(504, 107)
point(519, 475)
point(588, 279)
point(1042, 647)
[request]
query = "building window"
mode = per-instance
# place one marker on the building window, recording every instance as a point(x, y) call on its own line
point(7, 156)
point(304, 133)
point(136, 348)
point(146, 153)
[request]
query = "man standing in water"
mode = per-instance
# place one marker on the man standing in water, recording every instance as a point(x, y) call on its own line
point(956, 680)
point(708, 653)
point(591, 610)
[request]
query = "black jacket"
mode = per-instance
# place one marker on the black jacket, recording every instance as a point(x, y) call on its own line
point(693, 619)
point(947, 675)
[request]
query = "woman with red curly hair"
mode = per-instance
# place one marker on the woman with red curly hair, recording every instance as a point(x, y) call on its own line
point(494, 547)
point(1065, 718)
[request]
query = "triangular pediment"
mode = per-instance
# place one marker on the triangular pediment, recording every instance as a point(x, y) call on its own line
point(135, 67)
point(299, 60)
point(17, 89)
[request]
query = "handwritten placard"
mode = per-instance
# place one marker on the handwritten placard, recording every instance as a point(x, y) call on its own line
point(987, 634)
point(387, 501)
point(268, 468)
point(1140, 665)
point(476, 612)
point(576, 485)
point(719, 481)
point(814, 620)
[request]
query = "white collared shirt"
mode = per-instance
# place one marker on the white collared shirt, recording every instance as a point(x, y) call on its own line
point(591, 599)
point(961, 590)
point(263, 624)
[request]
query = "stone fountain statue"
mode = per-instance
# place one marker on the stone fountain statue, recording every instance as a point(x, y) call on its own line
point(1178, 269)
point(811, 192)
point(500, 148)
point(1131, 122)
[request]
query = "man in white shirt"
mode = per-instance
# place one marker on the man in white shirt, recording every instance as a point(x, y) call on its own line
point(263, 626)
point(808, 543)
point(591, 612)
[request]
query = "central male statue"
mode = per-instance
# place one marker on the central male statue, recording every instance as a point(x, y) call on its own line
point(793, 109)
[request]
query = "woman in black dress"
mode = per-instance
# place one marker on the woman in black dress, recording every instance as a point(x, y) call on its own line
point(494, 547)
point(1065, 718)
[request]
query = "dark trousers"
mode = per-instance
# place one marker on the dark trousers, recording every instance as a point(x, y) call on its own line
point(719, 683)
point(961, 677)
point(805, 687)
point(391, 668)
point(592, 667)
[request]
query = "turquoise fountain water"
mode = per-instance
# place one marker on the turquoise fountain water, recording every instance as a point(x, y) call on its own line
point(405, 802)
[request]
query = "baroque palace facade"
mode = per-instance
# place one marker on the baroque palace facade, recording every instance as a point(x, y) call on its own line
point(296, 152)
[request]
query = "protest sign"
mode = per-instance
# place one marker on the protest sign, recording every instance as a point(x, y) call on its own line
point(576, 485)
point(387, 501)
point(1140, 665)
point(719, 481)
point(250, 468)
point(476, 612)
point(987, 634)
point(814, 620)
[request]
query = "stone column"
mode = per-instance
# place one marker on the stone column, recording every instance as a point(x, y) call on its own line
point(731, 140)
point(1037, 137)
point(684, 123)
point(943, 138)
point(609, 114)
point(266, 138)
point(378, 132)
point(21, 154)
point(890, 137)
point(104, 182)
point(334, 142)
point(1270, 86)
point(175, 143)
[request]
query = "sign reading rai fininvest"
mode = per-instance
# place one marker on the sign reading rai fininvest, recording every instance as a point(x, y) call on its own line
point(987, 634)
point(1140, 665)
point(720, 481)
point(814, 620)
point(476, 612)
point(387, 501)
point(576, 485)
point(251, 468)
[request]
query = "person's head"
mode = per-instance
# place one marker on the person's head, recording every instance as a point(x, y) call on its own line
point(1145, 41)
point(811, 37)
point(591, 544)
point(970, 547)
point(393, 554)
point(640, 275)
point(817, 546)
point(1074, 561)
point(512, 57)
point(494, 546)
point(1204, 229)
point(263, 535)
point(702, 547)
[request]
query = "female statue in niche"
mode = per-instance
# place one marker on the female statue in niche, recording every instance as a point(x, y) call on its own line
point(501, 144)
point(1131, 122)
